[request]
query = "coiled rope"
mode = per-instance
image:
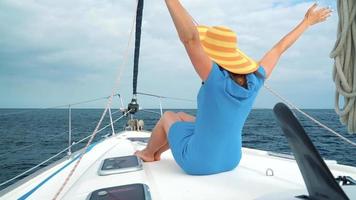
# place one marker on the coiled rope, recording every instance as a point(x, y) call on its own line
point(344, 72)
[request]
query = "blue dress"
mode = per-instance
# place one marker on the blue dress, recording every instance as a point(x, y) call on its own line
point(212, 144)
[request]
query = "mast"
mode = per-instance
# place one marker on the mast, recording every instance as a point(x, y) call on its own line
point(133, 106)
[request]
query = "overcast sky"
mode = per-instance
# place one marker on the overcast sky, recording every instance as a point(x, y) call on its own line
point(59, 52)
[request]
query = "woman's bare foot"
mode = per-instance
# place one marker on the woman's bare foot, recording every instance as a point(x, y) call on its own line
point(157, 157)
point(145, 156)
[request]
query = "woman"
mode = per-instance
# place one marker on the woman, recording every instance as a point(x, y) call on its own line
point(211, 142)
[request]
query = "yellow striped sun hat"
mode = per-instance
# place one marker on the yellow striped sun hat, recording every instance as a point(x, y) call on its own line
point(220, 43)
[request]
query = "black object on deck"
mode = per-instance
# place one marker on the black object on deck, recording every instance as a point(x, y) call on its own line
point(124, 192)
point(318, 179)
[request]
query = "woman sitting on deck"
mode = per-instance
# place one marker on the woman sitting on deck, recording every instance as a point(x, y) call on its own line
point(211, 142)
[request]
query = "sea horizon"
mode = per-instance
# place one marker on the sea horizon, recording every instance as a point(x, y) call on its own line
point(96, 108)
point(29, 136)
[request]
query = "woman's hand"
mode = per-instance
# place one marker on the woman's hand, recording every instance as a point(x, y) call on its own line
point(314, 16)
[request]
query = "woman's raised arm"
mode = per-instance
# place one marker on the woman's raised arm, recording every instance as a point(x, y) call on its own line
point(189, 36)
point(312, 17)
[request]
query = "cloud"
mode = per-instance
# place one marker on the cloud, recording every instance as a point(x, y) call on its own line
point(55, 52)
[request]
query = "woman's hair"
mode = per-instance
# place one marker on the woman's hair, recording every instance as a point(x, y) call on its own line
point(241, 78)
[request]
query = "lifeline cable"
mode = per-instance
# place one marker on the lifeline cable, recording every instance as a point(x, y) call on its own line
point(59, 153)
point(344, 72)
point(58, 106)
point(48, 138)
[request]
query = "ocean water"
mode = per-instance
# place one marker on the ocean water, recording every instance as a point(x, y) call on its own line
point(32, 136)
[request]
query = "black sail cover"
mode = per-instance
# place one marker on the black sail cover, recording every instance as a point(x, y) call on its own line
point(137, 43)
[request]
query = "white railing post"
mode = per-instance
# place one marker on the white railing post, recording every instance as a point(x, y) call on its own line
point(122, 108)
point(111, 122)
point(160, 105)
point(70, 130)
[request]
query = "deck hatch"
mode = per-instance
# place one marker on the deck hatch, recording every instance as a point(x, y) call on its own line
point(117, 165)
point(125, 192)
point(139, 139)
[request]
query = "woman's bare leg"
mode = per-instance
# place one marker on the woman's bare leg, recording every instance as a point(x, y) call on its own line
point(158, 137)
point(184, 117)
point(164, 148)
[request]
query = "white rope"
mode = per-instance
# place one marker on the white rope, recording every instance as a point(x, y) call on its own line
point(51, 158)
point(85, 149)
point(125, 114)
point(102, 128)
point(308, 116)
point(344, 73)
point(115, 88)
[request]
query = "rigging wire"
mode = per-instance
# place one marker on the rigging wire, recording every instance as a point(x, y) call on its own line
point(115, 88)
point(308, 116)
point(165, 97)
point(349, 17)
point(49, 138)
point(150, 111)
point(59, 106)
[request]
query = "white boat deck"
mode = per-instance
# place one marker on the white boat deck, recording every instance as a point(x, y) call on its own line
point(167, 181)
